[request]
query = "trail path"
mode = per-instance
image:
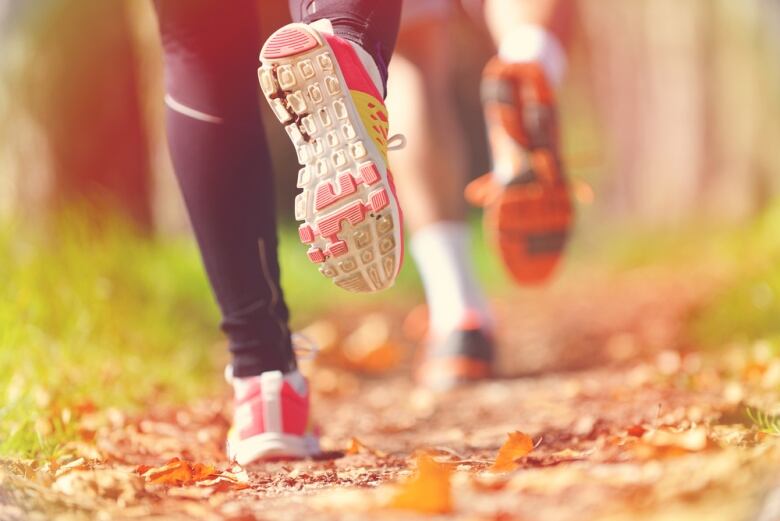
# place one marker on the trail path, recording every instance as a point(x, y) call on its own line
point(629, 421)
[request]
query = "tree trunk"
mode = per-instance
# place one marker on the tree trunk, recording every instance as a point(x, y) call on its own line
point(73, 80)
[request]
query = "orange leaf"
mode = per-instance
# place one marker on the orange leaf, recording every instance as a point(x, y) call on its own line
point(224, 484)
point(142, 469)
point(355, 446)
point(175, 472)
point(178, 472)
point(428, 490)
point(201, 471)
point(516, 446)
point(369, 349)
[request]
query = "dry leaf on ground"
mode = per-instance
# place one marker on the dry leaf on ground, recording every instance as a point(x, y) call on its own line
point(178, 472)
point(355, 446)
point(370, 349)
point(428, 490)
point(516, 446)
point(106, 483)
point(659, 444)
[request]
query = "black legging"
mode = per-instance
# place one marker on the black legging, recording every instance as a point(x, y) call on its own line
point(222, 160)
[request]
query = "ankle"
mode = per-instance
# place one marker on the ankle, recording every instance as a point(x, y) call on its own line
point(372, 62)
point(441, 251)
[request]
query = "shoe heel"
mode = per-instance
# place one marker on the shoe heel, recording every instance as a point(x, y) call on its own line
point(290, 40)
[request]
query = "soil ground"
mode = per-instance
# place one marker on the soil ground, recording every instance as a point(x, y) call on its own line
point(628, 420)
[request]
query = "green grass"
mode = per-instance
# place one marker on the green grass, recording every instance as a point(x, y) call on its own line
point(113, 319)
point(748, 308)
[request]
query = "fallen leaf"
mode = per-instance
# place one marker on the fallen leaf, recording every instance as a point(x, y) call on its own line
point(428, 490)
point(77, 464)
point(99, 483)
point(516, 446)
point(664, 443)
point(636, 430)
point(141, 469)
point(355, 446)
point(451, 458)
point(182, 473)
point(173, 473)
point(571, 455)
point(178, 472)
point(224, 483)
point(369, 349)
point(201, 471)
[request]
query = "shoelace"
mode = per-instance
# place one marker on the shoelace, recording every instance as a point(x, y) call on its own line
point(396, 142)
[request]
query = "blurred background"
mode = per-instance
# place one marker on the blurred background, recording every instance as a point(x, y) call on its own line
point(671, 110)
point(671, 118)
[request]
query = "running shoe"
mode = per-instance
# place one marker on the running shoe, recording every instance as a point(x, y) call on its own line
point(327, 96)
point(463, 356)
point(528, 209)
point(271, 419)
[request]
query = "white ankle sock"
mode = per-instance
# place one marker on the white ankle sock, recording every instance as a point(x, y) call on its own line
point(534, 43)
point(443, 256)
point(325, 26)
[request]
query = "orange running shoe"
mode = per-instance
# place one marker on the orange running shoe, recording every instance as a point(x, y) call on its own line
point(528, 209)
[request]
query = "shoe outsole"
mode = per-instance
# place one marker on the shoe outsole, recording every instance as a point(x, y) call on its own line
point(530, 219)
point(350, 214)
point(273, 446)
point(531, 227)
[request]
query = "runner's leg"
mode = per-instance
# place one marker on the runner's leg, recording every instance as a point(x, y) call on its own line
point(223, 166)
point(371, 24)
point(528, 209)
point(431, 171)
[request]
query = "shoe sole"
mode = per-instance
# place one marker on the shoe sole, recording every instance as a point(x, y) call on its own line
point(531, 218)
point(350, 213)
point(273, 446)
point(530, 225)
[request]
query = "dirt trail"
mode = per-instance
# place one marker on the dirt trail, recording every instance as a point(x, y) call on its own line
point(628, 421)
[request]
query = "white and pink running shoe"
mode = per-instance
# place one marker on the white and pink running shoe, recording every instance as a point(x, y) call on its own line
point(327, 92)
point(271, 419)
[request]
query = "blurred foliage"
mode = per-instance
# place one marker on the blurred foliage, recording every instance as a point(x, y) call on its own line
point(767, 423)
point(743, 258)
point(748, 308)
point(108, 318)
